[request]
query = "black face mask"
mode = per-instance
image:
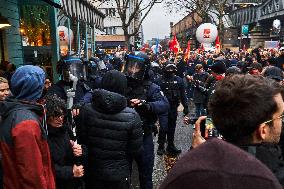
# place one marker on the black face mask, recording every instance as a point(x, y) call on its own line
point(133, 83)
point(169, 74)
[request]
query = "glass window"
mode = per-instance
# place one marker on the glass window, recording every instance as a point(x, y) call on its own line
point(35, 25)
point(114, 30)
point(1, 47)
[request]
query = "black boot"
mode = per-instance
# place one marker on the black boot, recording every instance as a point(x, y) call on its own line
point(161, 150)
point(171, 149)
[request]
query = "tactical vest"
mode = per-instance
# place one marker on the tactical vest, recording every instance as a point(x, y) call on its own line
point(170, 88)
point(148, 118)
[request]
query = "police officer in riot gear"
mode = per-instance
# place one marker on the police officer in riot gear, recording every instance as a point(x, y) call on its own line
point(66, 66)
point(148, 100)
point(173, 88)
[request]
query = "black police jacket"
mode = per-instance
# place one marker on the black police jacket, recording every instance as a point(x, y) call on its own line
point(113, 135)
point(270, 155)
point(174, 90)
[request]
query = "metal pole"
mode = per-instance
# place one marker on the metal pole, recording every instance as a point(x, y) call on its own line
point(94, 38)
point(55, 43)
point(69, 37)
point(86, 41)
point(78, 39)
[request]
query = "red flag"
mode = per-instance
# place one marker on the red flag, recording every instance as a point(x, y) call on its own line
point(244, 48)
point(217, 44)
point(187, 52)
point(174, 45)
point(202, 47)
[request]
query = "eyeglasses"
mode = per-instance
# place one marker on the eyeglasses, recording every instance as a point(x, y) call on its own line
point(280, 117)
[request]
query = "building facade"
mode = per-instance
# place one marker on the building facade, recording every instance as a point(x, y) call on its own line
point(258, 17)
point(113, 25)
point(42, 31)
point(185, 30)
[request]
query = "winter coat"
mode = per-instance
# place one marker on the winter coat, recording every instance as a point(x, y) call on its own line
point(62, 157)
point(199, 95)
point(25, 153)
point(270, 155)
point(113, 135)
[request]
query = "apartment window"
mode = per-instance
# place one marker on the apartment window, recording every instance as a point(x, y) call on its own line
point(114, 30)
point(110, 30)
point(110, 12)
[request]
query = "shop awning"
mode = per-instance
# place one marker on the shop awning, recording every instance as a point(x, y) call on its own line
point(55, 3)
point(84, 11)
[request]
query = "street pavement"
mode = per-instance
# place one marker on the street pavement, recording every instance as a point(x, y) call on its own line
point(183, 137)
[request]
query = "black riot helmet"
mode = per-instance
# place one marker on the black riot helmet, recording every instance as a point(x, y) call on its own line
point(93, 67)
point(73, 65)
point(169, 69)
point(100, 54)
point(137, 66)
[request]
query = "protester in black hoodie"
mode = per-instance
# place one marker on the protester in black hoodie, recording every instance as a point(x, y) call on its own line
point(66, 155)
point(112, 133)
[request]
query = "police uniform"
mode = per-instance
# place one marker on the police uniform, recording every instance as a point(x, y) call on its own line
point(153, 104)
point(173, 88)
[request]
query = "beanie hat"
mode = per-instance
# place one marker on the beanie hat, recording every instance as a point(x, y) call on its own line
point(273, 72)
point(114, 81)
point(27, 83)
point(218, 164)
point(219, 67)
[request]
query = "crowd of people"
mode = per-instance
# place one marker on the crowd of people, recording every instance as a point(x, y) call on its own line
point(86, 130)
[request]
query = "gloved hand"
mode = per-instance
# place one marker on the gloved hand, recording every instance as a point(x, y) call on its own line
point(144, 106)
point(185, 111)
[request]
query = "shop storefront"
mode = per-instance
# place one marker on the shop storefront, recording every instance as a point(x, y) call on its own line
point(48, 33)
point(10, 38)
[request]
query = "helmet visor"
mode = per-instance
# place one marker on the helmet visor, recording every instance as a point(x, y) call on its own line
point(135, 68)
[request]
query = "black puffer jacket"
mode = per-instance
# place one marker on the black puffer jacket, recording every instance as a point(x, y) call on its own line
point(112, 133)
point(63, 158)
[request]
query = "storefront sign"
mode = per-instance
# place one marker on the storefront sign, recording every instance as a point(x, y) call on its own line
point(64, 39)
point(245, 29)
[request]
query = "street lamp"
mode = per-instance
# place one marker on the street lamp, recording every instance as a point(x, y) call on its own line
point(4, 22)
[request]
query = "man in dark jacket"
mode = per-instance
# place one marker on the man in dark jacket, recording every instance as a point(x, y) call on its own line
point(248, 112)
point(24, 148)
point(112, 133)
point(199, 94)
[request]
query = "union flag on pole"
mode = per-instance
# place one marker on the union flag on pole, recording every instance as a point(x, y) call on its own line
point(174, 45)
point(217, 45)
point(187, 52)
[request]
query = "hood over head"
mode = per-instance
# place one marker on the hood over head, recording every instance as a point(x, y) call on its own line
point(114, 81)
point(108, 102)
point(27, 83)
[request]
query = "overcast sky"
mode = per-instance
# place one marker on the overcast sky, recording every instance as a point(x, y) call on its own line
point(157, 23)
